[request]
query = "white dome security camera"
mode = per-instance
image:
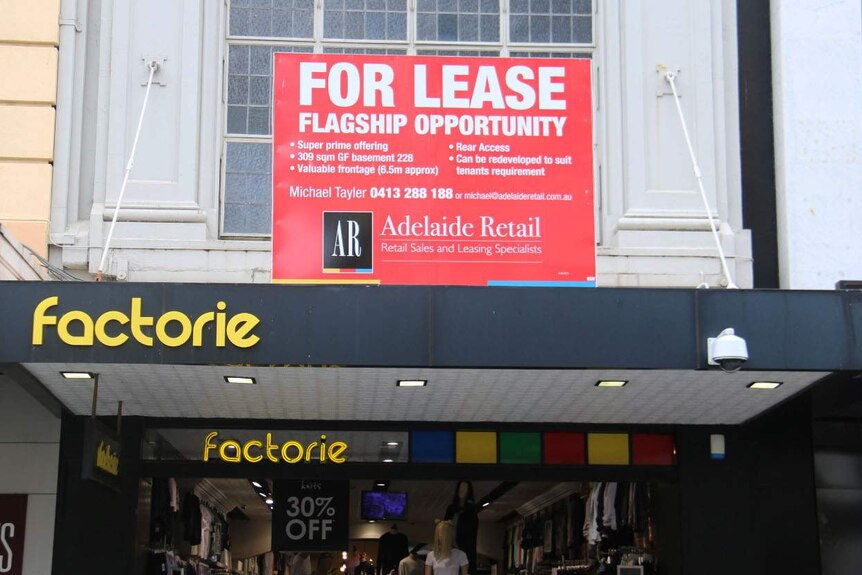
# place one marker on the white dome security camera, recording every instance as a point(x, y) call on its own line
point(727, 351)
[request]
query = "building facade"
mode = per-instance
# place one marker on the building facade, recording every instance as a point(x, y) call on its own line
point(199, 198)
point(507, 372)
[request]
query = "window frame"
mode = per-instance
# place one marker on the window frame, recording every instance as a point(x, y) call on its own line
point(412, 47)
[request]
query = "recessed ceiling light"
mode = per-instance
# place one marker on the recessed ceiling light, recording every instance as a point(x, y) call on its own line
point(611, 383)
point(263, 495)
point(388, 461)
point(412, 382)
point(391, 444)
point(77, 374)
point(239, 379)
point(268, 500)
point(256, 484)
point(764, 384)
point(486, 504)
point(371, 521)
point(380, 484)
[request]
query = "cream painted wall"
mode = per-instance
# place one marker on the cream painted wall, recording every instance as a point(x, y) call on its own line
point(29, 433)
point(29, 36)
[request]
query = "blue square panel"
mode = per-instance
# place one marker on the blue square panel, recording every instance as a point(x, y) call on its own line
point(432, 447)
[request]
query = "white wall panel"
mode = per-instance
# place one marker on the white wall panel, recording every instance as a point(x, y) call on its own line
point(165, 171)
point(39, 541)
point(817, 87)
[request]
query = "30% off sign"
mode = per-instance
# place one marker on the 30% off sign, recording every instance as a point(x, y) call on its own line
point(309, 518)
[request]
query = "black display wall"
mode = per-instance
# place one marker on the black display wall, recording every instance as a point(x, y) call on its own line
point(95, 525)
point(755, 512)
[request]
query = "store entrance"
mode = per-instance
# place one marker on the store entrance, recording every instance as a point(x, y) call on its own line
point(332, 525)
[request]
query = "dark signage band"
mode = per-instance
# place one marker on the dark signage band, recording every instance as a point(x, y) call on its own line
point(412, 326)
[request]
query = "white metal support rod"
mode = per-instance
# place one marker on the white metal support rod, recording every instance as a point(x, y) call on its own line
point(153, 66)
point(671, 79)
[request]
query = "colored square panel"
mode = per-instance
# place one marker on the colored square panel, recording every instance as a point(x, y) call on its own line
point(520, 447)
point(476, 447)
point(564, 449)
point(652, 449)
point(608, 448)
point(432, 447)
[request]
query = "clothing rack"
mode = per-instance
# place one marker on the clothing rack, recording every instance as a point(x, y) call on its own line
point(624, 550)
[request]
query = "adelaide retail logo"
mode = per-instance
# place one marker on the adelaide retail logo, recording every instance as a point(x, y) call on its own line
point(173, 328)
point(347, 244)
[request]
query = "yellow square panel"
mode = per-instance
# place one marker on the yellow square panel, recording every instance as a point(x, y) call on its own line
point(608, 448)
point(476, 447)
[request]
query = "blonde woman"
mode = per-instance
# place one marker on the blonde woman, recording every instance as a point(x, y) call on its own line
point(445, 559)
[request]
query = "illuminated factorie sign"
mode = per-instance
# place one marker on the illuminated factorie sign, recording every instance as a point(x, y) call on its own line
point(78, 328)
point(254, 451)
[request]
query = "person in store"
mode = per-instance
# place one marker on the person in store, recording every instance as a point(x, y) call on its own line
point(365, 566)
point(446, 558)
point(463, 514)
point(413, 564)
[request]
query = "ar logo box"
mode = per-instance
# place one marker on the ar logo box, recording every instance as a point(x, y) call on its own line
point(347, 242)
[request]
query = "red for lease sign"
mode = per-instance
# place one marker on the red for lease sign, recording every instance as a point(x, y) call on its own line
point(432, 171)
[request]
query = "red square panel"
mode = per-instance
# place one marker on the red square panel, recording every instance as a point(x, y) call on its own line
point(652, 449)
point(564, 449)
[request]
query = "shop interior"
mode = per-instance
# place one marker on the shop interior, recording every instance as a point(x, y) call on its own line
point(215, 526)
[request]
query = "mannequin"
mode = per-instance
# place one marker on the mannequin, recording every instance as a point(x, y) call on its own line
point(392, 548)
point(463, 513)
point(413, 564)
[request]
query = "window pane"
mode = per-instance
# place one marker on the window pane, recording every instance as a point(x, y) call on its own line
point(338, 50)
point(583, 55)
point(272, 18)
point(365, 20)
point(458, 20)
point(551, 21)
point(248, 188)
point(249, 87)
point(465, 53)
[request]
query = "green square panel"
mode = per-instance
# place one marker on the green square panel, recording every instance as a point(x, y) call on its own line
point(520, 447)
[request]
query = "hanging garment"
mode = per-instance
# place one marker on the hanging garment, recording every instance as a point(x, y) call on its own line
point(609, 515)
point(268, 563)
point(174, 495)
point(301, 564)
point(591, 525)
point(161, 518)
point(192, 519)
point(206, 532)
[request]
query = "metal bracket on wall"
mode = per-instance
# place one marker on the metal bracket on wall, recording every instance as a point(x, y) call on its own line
point(71, 22)
point(159, 78)
point(661, 71)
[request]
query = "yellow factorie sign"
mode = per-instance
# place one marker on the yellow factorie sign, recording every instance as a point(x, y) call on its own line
point(78, 328)
point(291, 451)
point(107, 459)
